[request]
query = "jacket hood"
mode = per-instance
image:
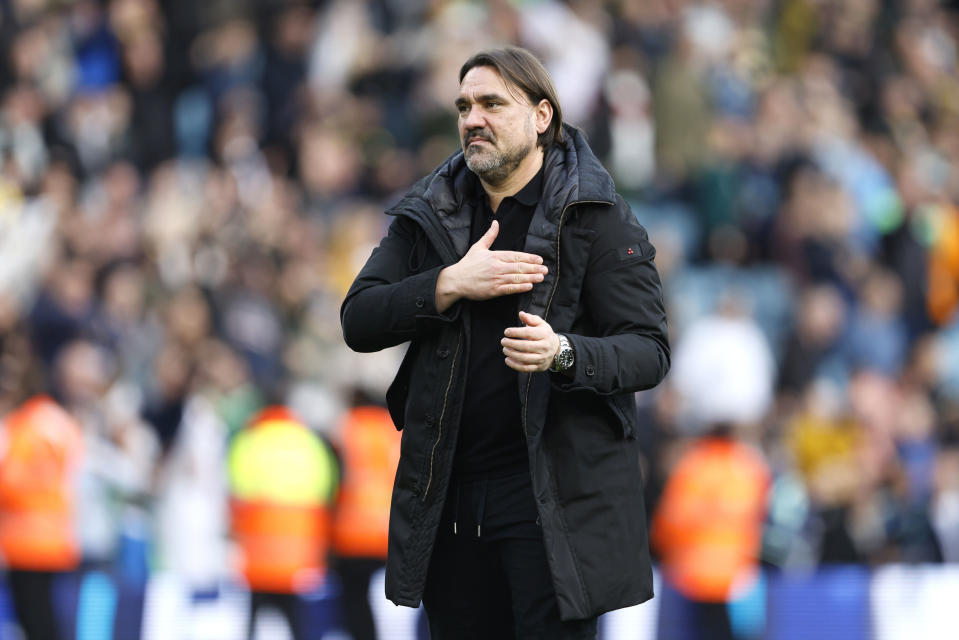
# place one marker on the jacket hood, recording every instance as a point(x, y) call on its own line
point(574, 170)
point(573, 174)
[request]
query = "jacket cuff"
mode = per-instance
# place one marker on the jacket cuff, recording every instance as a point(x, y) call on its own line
point(422, 296)
point(583, 374)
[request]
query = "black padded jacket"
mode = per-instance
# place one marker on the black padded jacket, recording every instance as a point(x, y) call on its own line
point(604, 293)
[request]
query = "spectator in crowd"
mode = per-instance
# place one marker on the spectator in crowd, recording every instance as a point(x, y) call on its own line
point(191, 493)
point(723, 369)
point(826, 444)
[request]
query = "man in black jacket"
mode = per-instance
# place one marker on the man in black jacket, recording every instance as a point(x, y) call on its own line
point(533, 309)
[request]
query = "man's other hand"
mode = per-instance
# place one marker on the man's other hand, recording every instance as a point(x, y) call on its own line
point(531, 347)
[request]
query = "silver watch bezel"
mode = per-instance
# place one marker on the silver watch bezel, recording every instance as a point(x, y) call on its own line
point(564, 358)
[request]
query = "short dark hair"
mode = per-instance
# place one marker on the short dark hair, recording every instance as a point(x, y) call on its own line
point(521, 69)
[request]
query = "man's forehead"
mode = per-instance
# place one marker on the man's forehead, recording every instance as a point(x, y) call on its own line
point(486, 80)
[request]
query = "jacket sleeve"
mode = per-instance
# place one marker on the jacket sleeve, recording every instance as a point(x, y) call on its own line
point(627, 346)
point(393, 298)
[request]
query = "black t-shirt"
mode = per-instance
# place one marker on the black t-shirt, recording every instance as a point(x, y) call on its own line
point(491, 441)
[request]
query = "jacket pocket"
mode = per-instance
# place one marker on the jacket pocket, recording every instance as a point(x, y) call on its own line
point(399, 390)
point(587, 417)
point(623, 406)
point(409, 474)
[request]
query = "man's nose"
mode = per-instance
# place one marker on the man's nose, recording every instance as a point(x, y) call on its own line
point(474, 119)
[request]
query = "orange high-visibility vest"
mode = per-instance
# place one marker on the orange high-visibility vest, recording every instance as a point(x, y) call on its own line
point(282, 479)
point(370, 450)
point(708, 524)
point(40, 448)
point(943, 264)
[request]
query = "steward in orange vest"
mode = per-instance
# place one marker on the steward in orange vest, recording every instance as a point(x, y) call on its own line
point(40, 449)
point(369, 446)
point(39, 454)
point(708, 524)
point(370, 450)
point(282, 480)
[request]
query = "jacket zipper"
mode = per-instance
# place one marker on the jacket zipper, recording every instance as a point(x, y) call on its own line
point(439, 425)
point(549, 301)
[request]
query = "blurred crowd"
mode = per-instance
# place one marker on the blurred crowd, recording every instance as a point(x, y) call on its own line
point(187, 189)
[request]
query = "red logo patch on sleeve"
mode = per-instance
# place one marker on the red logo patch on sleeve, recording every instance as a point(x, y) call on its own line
point(629, 252)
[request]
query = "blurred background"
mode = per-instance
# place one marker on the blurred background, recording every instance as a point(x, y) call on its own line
point(188, 188)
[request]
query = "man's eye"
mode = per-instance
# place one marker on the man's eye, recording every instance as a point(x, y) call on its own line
point(492, 105)
point(463, 108)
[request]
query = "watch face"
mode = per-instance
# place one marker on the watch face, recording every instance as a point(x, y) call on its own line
point(564, 357)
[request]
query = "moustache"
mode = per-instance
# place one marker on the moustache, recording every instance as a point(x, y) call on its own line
point(481, 134)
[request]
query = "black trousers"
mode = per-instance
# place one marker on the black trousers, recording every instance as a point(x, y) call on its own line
point(32, 595)
point(355, 575)
point(286, 603)
point(712, 621)
point(488, 575)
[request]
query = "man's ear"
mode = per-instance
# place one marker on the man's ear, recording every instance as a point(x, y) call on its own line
point(544, 115)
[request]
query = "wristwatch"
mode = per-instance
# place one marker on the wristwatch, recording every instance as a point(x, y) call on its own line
point(564, 358)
